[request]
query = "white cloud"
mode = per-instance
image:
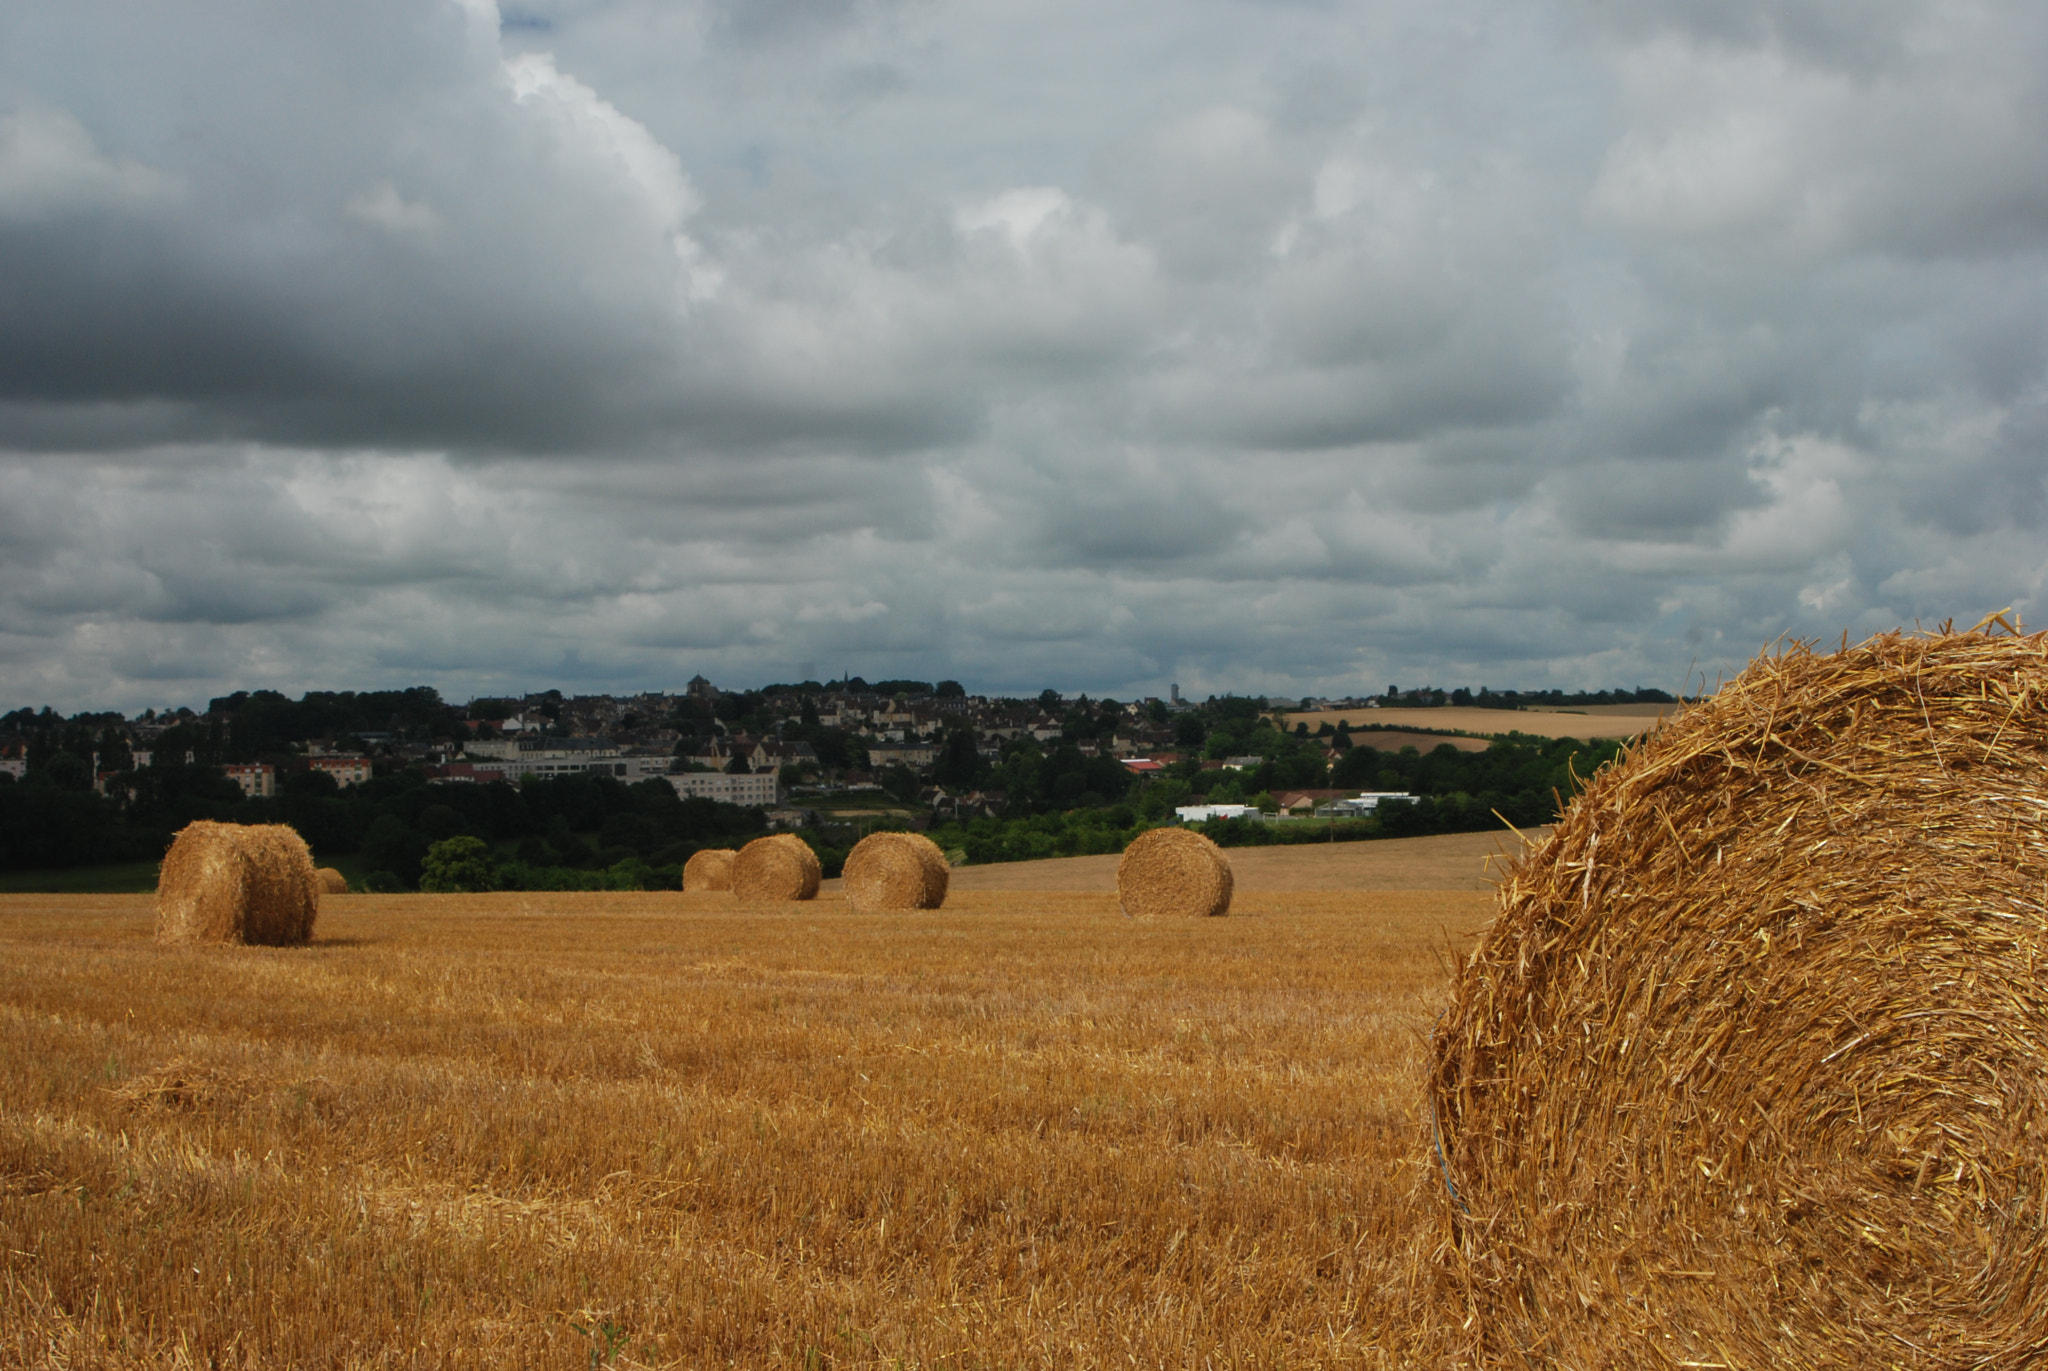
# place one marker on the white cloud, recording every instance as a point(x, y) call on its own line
point(382, 206)
point(50, 166)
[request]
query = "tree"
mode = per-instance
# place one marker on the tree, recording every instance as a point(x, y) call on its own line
point(899, 783)
point(309, 783)
point(390, 845)
point(456, 866)
point(951, 690)
point(959, 762)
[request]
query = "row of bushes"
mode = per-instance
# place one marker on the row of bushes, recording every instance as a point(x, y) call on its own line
point(583, 823)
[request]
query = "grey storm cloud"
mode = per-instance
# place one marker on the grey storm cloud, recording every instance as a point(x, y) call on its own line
point(1283, 347)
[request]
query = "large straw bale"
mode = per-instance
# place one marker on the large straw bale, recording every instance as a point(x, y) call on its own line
point(332, 882)
point(710, 869)
point(780, 866)
point(1751, 1069)
point(1173, 871)
point(895, 871)
point(235, 883)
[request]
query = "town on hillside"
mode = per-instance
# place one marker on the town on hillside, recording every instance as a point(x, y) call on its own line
point(554, 791)
point(753, 748)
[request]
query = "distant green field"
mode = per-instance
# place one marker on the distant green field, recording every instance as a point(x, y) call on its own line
point(127, 878)
point(124, 879)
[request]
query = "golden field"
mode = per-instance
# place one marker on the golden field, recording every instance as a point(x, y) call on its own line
point(664, 1130)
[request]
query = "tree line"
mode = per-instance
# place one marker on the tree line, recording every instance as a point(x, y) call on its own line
point(561, 833)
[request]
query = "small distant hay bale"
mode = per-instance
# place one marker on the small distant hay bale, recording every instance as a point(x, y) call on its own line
point(1173, 872)
point(710, 869)
point(236, 883)
point(780, 866)
point(1749, 1068)
point(895, 871)
point(332, 882)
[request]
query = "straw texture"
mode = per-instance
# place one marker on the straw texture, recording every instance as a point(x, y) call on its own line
point(895, 871)
point(1751, 1069)
point(234, 883)
point(332, 882)
point(780, 866)
point(710, 869)
point(1173, 872)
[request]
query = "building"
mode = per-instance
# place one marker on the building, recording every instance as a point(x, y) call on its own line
point(643, 762)
point(775, 756)
point(912, 755)
point(552, 757)
point(1307, 801)
point(17, 767)
point(346, 771)
point(464, 773)
point(258, 780)
point(750, 789)
point(1195, 814)
point(1360, 805)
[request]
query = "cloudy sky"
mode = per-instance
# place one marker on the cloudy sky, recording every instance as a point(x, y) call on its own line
point(1284, 346)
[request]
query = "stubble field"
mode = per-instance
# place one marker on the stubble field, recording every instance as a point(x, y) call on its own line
point(632, 1130)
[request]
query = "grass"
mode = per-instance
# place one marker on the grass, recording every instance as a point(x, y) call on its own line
point(664, 1130)
point(125, 878)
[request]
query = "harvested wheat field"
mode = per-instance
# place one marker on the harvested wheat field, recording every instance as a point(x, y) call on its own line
point(685, 1131)
point(1450, 861)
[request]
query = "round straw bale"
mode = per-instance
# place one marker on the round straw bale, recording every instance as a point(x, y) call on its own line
point(235, 883)
point(1173, 871)
point(780, 866)
point(332, 882)
point(710, 869)
point(895, 871)
point(1751, 1067)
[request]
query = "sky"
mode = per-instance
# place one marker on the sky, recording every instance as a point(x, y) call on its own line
point(1283, 347)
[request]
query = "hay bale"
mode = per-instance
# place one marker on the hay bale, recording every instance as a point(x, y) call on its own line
point(1173, 871)
point(780, 866)
point(235, 883)
point(332, 882)
point(895, 871)
point(710, 869)
point(1751, 1067)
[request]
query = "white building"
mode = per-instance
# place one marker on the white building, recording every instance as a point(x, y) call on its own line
point(1359, 804)
point(551, 757)
point(749, 789)
point(1195, 814)
point(643, 762)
